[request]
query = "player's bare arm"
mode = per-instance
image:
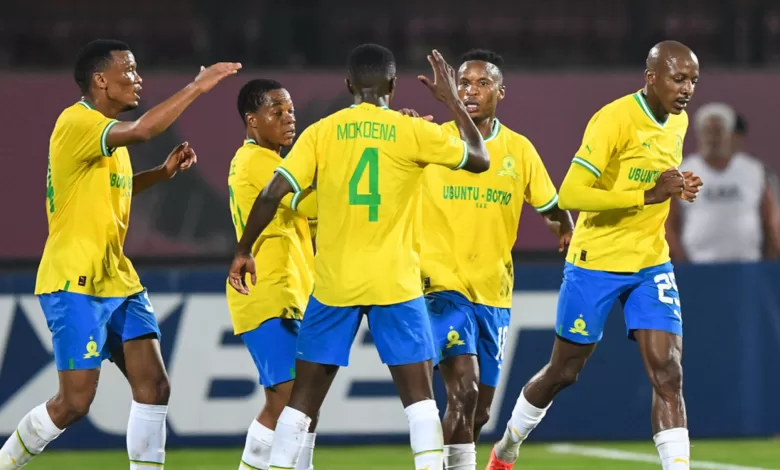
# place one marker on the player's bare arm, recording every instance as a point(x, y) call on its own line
point(561, 224)
point(674, 234)
point(770, 221)
point(159, 118)
point(260, 216)
point(181, 158)
point(444, 88)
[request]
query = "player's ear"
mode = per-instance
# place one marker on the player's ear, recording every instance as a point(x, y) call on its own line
point(349, 86)
point(501, 92)
point(391, 86)
point(100, 80)
point(650, 77)
point(250, 120)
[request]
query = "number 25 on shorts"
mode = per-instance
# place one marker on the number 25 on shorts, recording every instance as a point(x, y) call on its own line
point(372, 199)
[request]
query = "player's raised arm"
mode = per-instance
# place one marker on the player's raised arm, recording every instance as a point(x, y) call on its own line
point(444, 88)
point(159, 118)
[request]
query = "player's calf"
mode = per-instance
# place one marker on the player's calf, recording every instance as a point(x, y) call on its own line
point(146, 430)
point(460, 378)
point(662, 354)
point(48, 420)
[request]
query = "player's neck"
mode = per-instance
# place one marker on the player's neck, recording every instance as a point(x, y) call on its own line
point(371, 97)
point(485, 126)
point(655, 106)
point(106, 107)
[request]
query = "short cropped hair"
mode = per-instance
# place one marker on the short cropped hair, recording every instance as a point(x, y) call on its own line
point(483, 55)
point(371, 65)
point(95, 57)
point(252, 95)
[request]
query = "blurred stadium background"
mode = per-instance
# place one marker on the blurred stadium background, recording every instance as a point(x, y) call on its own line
point(565, 59)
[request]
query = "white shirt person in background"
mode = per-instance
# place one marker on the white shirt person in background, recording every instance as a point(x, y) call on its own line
point(735, 218)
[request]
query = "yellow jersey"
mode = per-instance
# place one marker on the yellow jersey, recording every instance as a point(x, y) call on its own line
point(88, 192)
point(626, 148)
point(470, 221)
point(284, 251)
point(366, 163)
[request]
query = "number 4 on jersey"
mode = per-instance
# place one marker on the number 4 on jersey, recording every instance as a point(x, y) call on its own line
point(370, 159)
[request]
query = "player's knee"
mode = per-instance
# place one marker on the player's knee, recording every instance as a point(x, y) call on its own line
point(72, 407)
point(155, 391)
point(667, 377)
point(464, 394)
point(564, 376)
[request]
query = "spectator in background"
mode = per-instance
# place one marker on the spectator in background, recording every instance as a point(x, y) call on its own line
point(740, 135)
point(735, 217)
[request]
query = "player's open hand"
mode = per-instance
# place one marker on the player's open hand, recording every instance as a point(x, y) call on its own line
point(209, 77)
point(670, 183)
point(181, 158)
point(692, 183)
point(413, 113)
point(241, 266)
point(444, 87)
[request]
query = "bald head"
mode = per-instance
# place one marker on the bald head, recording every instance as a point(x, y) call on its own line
point(671, 77)
point(668, 53)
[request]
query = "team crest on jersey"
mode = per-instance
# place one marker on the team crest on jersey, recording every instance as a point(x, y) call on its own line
point(509, 168)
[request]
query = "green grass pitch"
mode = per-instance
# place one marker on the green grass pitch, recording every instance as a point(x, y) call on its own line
point(714, 455)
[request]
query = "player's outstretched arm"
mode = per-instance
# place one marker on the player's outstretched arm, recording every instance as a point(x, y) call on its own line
point(181, 158)
point(444, 88)
point(260, 216)
point(159, 118)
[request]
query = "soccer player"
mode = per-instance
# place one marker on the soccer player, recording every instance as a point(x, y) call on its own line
point(366, 162)
point(467, 267)
point(268, 319)
point(621, 180)
point(94, 303)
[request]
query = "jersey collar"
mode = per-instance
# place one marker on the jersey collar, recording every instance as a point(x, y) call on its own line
point(369, 104)
point(642, 101)
point(84, 103)
point(494, 130)
point(249, 140)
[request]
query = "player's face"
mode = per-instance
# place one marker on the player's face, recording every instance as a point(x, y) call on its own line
point(675, 82)
point(714, 138)
point(480, 88)
point(122, 81)
point(275, 119)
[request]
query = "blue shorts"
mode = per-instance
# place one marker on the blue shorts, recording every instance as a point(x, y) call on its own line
point(85, 328)
point(462, 327)
point(649, 297)
point(272, 346)
point(402, 332)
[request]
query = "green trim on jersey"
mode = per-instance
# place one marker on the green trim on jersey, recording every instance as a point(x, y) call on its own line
point(642, 101)
point(587, 165)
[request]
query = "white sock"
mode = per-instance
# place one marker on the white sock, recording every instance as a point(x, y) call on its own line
point(460, 457)
point(305, 461)
point(32, 435)
point(674, 448)
point(288, 439)
point(425, 435)
point(525, 417)
point(257, 450)
point(146, 436)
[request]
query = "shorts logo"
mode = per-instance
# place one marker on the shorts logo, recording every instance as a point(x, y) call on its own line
point(579, 327)
point(453, 339)
point(92, 349)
